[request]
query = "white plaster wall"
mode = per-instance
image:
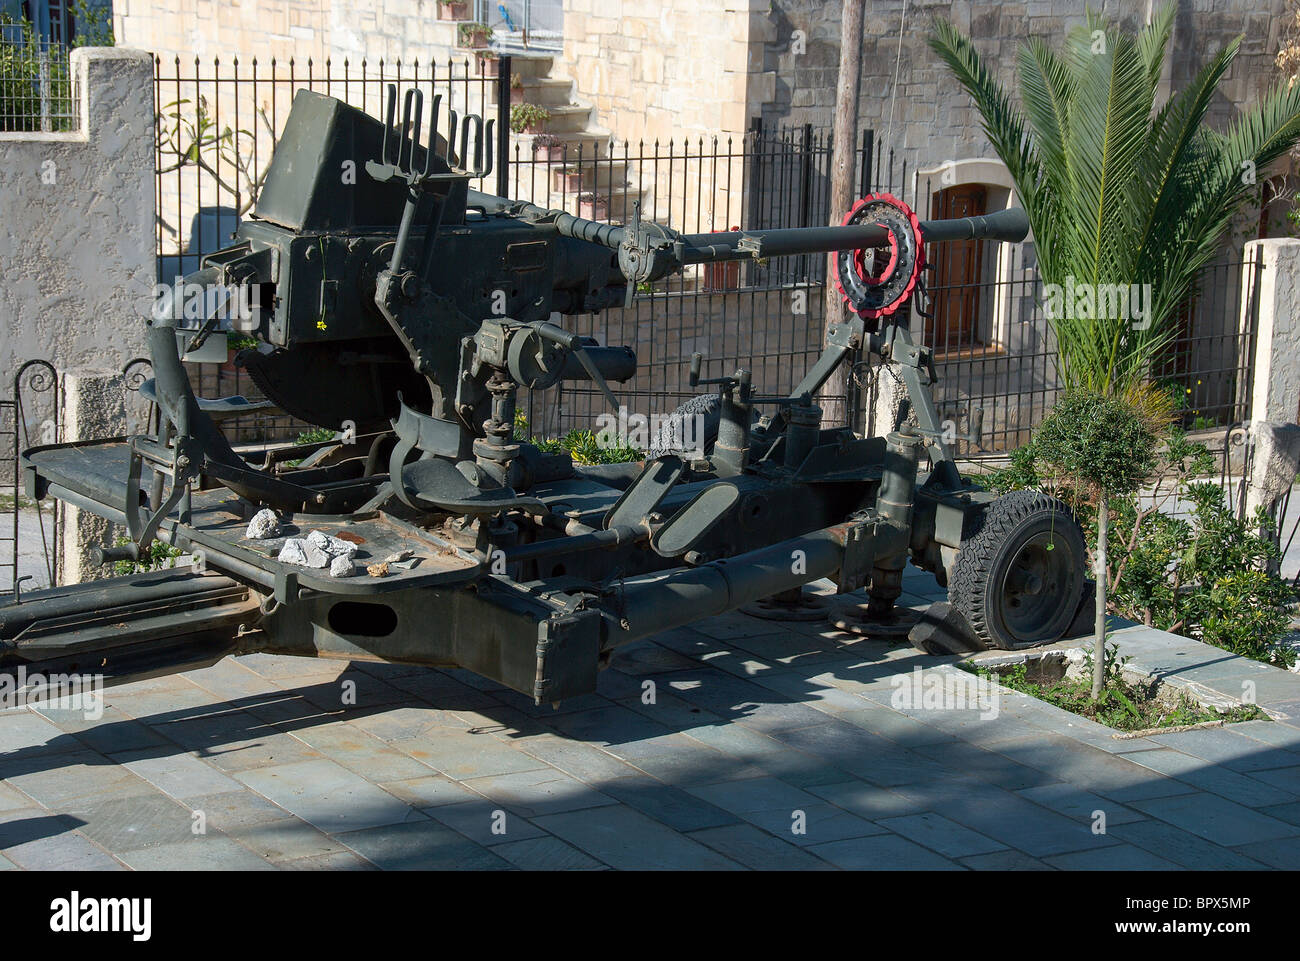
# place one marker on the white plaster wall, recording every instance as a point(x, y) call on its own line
point(77, 255)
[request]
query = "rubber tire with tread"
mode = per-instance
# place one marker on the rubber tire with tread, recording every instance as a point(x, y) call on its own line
point(1007, 523)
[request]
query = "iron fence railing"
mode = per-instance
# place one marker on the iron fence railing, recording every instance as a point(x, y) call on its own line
point(994, 350)
point(38, 93)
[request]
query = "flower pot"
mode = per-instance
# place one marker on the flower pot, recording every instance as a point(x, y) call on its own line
point(516, 95)
point(722, 276)
point(567, 180)
point(597, 209)
point(474, 41)
point(544, 155)
point(454, 11)
point(489, 66)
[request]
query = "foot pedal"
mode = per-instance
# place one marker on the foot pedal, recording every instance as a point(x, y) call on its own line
point(695, 520)
point(646, 493)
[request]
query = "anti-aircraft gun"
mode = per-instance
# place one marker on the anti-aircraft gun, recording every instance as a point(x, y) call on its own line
point(406, 311)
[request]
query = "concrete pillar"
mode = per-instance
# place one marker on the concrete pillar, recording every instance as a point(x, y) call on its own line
point(94, 408)
point(1270, 297)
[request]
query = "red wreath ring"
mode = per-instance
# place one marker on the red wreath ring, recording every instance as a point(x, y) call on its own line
point(858, 258)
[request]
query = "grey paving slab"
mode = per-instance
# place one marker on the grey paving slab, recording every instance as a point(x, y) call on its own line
point(1075, 802)
point(608, 726)
point(1224, 745)
point(111, 733)
point(1113, 857)
point(883, 852)
point(866, 800)
point(428, 791)
point(1175, 844)
point(340, 861)
point(1004, 861)
point(485, 822)
point(233, 812)
point(1001, 815)
point(1283, 853)
point(25, 731)
point(992, 766)
point(63, 779)
point(360, 752)
point(757, 849)
point(125, 824)
point(1290, 813)
point(234, 740)
point(546, 854)
point(1270, 732)
point(6, 864)
point(785, 811)
point(1065, 759)
point(1286, 778)
point(1216, 819)
point(939, 834)
point(286, 838)
point(11, 798)
point(583, 761)
point(421, 846)
point(1241, 788)
point(461, 754)
point(177, 773)
point(664, 802)
point(648, 658)
point(327, 795)
point(629, 840)
point(34, 838)
point(534, 793)
point(202, 853)
point(763, 754)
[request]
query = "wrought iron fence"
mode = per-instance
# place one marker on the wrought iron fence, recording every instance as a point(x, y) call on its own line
point(38, 93)
point(28, 418)
point(994, 349)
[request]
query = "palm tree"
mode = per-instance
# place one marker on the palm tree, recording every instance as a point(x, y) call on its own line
point(1118, 190)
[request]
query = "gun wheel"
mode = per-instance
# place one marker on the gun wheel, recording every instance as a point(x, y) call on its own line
point(1019, 577)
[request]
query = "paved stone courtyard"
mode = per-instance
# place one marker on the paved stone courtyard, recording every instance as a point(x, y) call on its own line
point(767, 745)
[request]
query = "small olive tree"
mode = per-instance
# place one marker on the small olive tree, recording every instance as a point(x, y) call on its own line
point(1098, 446)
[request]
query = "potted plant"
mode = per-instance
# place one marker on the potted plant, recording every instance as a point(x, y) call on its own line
point(473, 36)
point(724, 275)
point(453, 9)
point(568, 178)
point(235, 342)
point(516, 89)
point(528, 118)
point(592, 206)
point(489, 64)
point(548, 148)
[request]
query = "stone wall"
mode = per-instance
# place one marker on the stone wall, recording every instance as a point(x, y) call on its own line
point(77, 224)
point(932, 118)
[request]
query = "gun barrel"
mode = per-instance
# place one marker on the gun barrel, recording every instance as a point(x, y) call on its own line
point(1009, 226)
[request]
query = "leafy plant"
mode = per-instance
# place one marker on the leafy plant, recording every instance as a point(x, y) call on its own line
point(584, 446)
point(1179, 558)
point(1123, 704)
point(473, 32)
point(1118, 189)
point(158, 555)
point(239, 341)
point(526, 116)
point(1102, 446)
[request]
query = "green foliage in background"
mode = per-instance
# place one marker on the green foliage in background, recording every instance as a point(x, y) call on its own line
point(1118, 188)
point(584, 446)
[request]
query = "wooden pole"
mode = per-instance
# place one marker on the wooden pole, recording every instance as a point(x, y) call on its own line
point(845, 138)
